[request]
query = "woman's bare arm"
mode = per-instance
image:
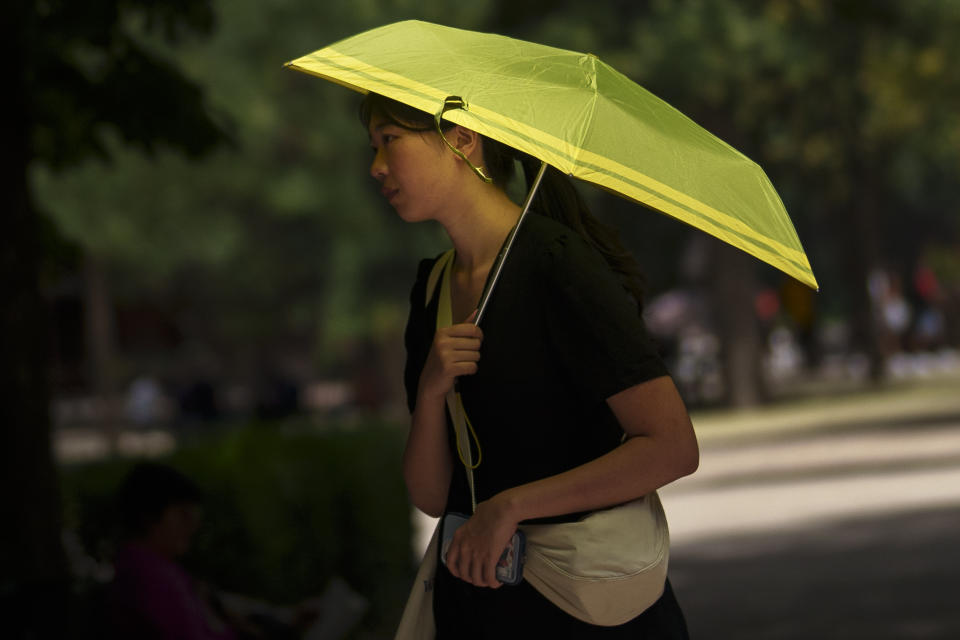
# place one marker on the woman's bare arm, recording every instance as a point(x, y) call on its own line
point(427, 462)
point(661, 446)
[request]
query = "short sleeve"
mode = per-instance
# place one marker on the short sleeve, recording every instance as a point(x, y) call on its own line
point(592, 322)
point(419, 332)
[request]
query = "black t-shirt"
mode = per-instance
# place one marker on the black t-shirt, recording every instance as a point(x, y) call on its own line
point(561, 335)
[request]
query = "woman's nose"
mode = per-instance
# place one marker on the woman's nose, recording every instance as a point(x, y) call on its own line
point(378, 168)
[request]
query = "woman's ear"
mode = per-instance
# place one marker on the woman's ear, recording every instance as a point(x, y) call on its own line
point(466, 140)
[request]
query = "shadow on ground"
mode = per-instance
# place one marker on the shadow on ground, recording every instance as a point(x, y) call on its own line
point(892, 577)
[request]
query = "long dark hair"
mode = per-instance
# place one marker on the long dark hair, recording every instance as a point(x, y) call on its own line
point(556, 198)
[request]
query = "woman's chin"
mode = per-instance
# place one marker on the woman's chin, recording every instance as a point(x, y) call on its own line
point(408, 215)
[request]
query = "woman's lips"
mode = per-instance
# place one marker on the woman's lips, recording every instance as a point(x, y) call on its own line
point(389, 193)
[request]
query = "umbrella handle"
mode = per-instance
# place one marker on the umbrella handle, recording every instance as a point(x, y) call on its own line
point(456, 102)
point(502, 256)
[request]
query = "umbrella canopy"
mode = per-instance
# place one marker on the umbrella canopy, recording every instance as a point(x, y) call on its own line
point(579, 115)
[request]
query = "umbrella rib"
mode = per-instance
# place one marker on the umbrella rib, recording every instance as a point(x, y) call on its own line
point(592, 111)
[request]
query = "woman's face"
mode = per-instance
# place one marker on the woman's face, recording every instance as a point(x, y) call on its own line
point(412, 167)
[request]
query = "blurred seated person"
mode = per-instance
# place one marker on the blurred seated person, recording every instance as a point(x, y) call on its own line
point(152, 596)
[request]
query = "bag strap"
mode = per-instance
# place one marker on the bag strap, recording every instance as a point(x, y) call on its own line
point(438, 269)
point(462, 428)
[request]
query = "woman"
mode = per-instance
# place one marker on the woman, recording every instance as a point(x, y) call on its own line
point(565, 371)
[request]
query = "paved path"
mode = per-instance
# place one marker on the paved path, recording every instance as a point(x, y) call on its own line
point(840, 519)
point(891, 577)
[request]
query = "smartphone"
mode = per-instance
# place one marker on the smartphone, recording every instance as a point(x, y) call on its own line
point(510, 565)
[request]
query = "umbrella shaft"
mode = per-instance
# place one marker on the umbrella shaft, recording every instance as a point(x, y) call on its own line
point(502, 256)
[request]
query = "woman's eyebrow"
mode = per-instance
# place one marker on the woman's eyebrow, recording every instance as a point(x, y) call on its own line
point(377, 129)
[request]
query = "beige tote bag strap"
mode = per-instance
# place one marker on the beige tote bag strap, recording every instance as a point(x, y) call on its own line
point(440, 274)
point(460, 425)
point(417, 621)
point(439, 267)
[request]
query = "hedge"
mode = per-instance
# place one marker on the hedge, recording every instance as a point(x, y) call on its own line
point(287, 508)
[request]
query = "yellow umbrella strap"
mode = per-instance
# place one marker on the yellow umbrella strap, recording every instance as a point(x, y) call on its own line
point(466, 419)
point(454, 102)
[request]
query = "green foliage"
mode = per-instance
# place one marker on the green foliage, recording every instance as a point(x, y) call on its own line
point(89, 74)
point(284, 235)
point(287, 508)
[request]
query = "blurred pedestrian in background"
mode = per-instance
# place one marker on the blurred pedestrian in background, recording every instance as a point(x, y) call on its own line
point(152, 596)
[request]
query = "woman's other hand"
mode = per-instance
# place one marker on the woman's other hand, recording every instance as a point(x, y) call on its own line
point(477, 545)
point(455, 352)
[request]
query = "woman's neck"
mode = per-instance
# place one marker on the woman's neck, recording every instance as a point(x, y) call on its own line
point(478, 230)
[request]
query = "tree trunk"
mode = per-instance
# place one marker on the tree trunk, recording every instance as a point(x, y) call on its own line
point(34, 585)
point(863, 257)
point(741, 344)
point(99, 329)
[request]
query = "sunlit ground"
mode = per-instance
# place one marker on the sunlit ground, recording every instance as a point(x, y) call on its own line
point(867, 454)
point(831, 518)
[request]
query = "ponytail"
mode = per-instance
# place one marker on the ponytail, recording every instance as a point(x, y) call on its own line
point(557, 198)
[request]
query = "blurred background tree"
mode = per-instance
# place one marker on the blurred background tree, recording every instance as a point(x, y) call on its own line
point(79, 77)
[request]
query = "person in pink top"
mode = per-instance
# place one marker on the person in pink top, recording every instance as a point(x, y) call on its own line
point(152, 596)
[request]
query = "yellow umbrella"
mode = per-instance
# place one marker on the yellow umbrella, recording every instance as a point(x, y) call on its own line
point(578, 114)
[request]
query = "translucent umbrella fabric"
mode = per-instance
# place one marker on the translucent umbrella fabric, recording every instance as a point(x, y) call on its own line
point(578, 114)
